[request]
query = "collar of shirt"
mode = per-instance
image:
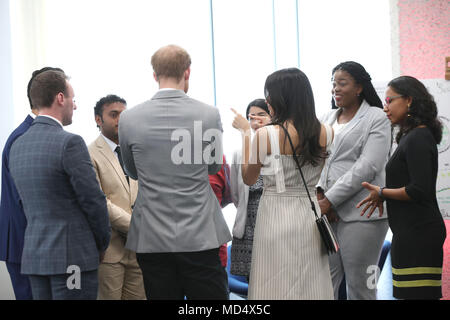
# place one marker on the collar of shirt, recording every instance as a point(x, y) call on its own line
point(31, 114)
point(167, 89)
point(53, 118)
point(110, 143)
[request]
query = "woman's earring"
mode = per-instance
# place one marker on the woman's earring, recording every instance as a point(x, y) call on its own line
point(409, 105)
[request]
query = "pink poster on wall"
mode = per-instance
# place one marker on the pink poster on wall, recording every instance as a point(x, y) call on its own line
point(424, 34)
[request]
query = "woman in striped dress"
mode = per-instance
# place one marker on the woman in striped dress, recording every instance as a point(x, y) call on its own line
point(289, 260)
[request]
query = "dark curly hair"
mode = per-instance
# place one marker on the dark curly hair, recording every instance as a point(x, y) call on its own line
point(289, 93)
point(363, 78)
point(423, 109)
point(105, 101)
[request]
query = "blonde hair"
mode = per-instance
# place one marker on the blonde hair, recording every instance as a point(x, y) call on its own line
point(170, 62)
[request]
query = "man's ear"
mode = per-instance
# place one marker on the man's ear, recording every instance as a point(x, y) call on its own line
point(155, 77)
point(59, 98)
point(187, 73)
point(98, 120)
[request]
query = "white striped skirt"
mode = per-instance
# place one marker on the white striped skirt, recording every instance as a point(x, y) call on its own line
point(289, 260)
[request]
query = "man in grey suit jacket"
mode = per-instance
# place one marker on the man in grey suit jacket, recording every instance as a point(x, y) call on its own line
point(68, 227)
point(177, 226)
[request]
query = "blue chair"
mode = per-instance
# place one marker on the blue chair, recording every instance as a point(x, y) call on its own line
point(385, 288)
point(237, 284)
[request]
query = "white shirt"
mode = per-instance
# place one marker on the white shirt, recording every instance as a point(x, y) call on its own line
point(338, 127)
point(167, 89)
point(31, 114)
point(111, 144)
point(44, 115)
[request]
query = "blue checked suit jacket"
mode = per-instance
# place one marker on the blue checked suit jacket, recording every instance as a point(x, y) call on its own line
point(67, 217)
point(12, 217)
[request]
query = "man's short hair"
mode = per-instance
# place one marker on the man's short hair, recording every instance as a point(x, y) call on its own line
point(170, 62)
point(46, 86)
point(111, 98)
point(34, 74)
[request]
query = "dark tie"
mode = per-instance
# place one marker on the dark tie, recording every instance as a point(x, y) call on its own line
point(117, 150)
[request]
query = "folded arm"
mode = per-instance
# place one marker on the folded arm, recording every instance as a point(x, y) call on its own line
point(118, 217)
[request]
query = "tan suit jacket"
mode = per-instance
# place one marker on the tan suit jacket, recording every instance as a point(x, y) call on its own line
point(119, 195)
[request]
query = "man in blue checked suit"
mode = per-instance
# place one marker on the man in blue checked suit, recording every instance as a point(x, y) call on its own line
point(12, 217)
point(67, 220)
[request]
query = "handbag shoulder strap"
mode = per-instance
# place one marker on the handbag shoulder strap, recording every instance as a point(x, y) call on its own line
point(313, 207)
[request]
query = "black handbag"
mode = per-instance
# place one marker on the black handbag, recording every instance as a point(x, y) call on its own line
point(326, 232)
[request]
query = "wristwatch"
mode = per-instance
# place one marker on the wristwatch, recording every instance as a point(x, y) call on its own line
point(380, 193)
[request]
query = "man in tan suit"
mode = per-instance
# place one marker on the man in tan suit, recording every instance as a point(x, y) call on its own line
point(120, 277)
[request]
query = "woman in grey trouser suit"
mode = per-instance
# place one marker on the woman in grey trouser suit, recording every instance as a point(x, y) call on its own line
point(359, 153)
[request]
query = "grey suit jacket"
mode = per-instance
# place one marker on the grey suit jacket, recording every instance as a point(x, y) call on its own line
point(359, 153)
point(164, 144)
point(67, 218)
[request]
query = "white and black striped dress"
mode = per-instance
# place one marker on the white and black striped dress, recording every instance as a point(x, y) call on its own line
point(289, 260)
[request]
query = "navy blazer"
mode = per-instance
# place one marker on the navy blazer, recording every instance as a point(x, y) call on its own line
point(12, 217)
point(67, 217)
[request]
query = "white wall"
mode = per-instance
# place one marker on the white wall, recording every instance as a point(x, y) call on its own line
point(333, 31)
point(106, 45)
point(6, 96)
point(7, 114)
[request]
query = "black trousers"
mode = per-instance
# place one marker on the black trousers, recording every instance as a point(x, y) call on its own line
point(174, 276)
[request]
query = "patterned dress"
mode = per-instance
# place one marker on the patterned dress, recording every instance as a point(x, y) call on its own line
point(241, 249)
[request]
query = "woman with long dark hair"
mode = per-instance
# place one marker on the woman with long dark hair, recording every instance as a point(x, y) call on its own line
point(418, 230)
point(359, 153)
point(288, 258)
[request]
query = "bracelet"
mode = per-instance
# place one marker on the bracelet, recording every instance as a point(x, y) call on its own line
point(380, 193)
